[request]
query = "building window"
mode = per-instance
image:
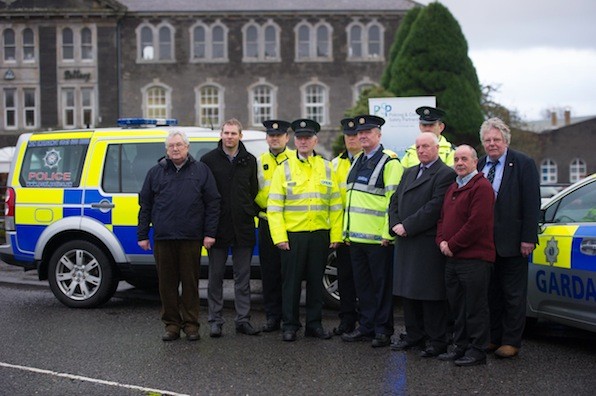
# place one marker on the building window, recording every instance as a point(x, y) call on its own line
point(87, 106)
point(10, 108)
point(360, 87)
point(10, 45)
point(67, 44)
point(146, 46)
point(165, 43)
point(365, 42)
point(577, 170)
point(78, 107)
point(155, 43)
point(313, 42)
point(156, 101)
point(29, 108)
point(261, 42)
point(86, 44)
point(548, 171)
point(209, 43)
point(76, 44)
point(262, 99)
point(315, 98)
point(28, 45)
point(20, 108)
point(210, 105)
point(68, 108)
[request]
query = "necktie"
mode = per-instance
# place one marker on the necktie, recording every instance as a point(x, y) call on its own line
point(491, 172)
point(421, 171)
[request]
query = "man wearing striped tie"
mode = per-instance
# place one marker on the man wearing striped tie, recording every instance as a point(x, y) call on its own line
point(515, 181)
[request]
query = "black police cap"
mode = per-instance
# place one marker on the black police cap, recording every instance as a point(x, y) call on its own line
point(366, 122)
point(276, 127)
point(430, 115)
point(304, 126)
point(348, 126)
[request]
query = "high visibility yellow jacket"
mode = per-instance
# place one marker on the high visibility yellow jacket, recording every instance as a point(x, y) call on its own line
point(341, 166)
point(370, 186)
point(446, 152)
point(267, 163)
point(304, 196)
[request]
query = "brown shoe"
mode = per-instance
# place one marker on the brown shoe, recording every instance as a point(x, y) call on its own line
point(506, 351)
point(492, 347)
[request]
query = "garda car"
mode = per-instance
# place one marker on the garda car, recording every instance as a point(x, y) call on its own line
point(562, 268)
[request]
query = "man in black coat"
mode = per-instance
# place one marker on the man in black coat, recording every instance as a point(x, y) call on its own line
point(235, 171)
point(180, 199)
point(515, 181)
point(419, 271)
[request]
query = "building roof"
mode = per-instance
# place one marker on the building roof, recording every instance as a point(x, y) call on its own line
point(250, 6)
point(547, 125)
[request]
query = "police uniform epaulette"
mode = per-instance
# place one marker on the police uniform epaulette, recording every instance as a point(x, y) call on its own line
point(390, 153)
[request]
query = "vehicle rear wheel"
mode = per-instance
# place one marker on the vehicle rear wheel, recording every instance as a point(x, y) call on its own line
point(81, 275)
point(330, 289)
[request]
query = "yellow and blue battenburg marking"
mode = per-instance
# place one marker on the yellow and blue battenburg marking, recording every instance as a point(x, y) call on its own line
point(572, 250)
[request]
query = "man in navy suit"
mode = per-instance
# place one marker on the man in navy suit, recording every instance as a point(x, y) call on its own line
point(515, 181)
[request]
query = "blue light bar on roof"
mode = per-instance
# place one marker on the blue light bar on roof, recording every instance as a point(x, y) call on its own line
point(128, 122)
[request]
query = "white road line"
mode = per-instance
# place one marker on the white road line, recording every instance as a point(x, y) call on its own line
point(97, 381)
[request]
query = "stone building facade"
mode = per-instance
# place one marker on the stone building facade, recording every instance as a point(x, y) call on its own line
point(199, 61)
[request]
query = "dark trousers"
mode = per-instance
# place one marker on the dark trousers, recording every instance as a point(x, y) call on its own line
point(177, 264)
point(425, 319)
point(241, 258)
point(348, 306)
point(507, 300)
point(306, 259)
point(270, 259)
point(373, 276)
point(466, 283)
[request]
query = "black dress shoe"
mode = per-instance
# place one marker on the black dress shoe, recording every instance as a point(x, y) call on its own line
point(343, 328)
point(381, 340)
point(466, 361)
point(319, 332)
point(355, 336)
point(271, 325)
point(289, 335)
point(246, 328)
point(404, 345)
point(451, 355)
point(170, 336)
point(432, 351)
point(215, 331)
point(193, 336)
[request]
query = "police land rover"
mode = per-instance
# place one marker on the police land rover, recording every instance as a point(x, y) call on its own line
point(72, 205)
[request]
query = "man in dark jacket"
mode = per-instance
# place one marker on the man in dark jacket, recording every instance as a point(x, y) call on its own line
point(180, 198)
point(465, 237)
point(515, 181)
point(419, 271)
point(235, 172)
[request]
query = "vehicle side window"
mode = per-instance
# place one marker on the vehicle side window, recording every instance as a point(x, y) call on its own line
point(55, 163)
point(127, 164)
point(577, 207)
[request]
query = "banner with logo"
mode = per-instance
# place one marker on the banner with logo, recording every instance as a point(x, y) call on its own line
point(401, 121)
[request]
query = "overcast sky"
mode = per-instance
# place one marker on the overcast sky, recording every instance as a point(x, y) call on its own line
point(540, 53)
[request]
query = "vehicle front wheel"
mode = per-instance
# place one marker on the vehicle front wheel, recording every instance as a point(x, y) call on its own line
point(81, 275)
point(330, 289)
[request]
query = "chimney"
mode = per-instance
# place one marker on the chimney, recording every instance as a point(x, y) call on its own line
point(553, 118)
point(567, 116)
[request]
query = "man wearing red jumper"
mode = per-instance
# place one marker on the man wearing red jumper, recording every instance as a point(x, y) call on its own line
point(465, 237)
